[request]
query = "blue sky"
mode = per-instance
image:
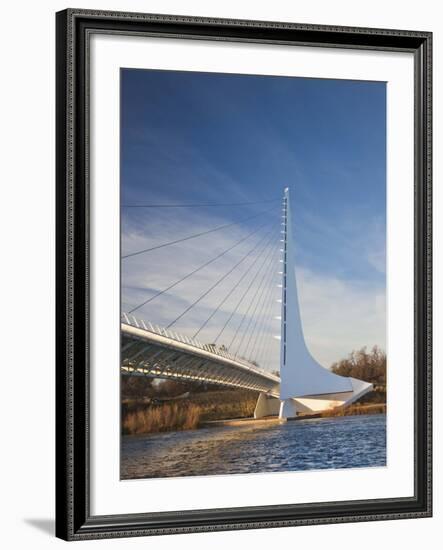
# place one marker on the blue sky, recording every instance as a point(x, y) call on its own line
point(214, 138)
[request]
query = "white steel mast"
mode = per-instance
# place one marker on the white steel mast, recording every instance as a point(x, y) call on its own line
point(301, 375)
point(305, 386)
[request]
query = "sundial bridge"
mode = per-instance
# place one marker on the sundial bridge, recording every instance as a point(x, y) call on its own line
point(303, 386)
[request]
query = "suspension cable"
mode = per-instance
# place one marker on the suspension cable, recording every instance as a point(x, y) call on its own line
point(253, 300)
point(262, 289)
point(243, 297)
point(262, 329)
point(266, 354)
point(202, 266)
point(261, 356)
point(197, 205)
point(189, 237)
point(222, 278)
point(234, 287)
point(260, 323)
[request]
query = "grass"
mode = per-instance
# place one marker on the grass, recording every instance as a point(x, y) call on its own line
point(161, 418)
point(221, 405)
point(139, 417)
point(357, 409)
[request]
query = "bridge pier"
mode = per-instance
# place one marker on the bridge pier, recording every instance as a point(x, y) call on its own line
point(288, 409)
point(267, 405)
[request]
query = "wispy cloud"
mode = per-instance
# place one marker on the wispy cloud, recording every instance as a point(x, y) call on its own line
point(340, 316)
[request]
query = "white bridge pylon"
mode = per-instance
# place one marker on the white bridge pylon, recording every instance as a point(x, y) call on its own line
point(305, 386)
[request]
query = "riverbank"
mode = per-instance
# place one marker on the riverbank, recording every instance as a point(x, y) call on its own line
point(353, 410)
point(356, 409)
point(238, 422)
point(215, 409)
point(139, 417)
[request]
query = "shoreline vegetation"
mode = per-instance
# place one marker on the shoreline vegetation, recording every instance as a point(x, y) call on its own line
point(141, 417)
point(355, 409)
point(159, 406)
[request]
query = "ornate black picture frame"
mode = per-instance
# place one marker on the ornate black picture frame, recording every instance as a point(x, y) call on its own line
point(74, 520)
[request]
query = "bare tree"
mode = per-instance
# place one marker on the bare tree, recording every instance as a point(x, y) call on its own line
point(364, 365)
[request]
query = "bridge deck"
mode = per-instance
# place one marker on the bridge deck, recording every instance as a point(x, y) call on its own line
point(156, 353)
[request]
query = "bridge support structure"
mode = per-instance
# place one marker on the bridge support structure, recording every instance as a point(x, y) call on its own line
point(288, 409)
point(267, 405)
point(305, 385)
point(270, 405)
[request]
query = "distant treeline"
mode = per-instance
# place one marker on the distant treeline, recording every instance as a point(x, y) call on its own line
point(369, 366)
point(140, 387)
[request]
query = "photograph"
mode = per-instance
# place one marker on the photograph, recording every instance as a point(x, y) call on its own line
point(253, 274)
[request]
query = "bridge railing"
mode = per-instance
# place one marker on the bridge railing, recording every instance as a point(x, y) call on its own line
point(155, 329)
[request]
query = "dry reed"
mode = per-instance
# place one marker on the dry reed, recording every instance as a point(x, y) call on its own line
point(139, 417)
point(161, 418)
point(377, 408)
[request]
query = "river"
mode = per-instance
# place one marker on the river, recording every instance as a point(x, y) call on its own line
point(340, 442)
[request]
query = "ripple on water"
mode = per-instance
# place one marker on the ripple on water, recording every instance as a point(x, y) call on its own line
point(344, 442)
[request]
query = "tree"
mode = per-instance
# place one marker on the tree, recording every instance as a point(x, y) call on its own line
point(368, 366)
point(136, 387)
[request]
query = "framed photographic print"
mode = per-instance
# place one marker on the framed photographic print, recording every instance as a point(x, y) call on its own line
point(243, 274)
